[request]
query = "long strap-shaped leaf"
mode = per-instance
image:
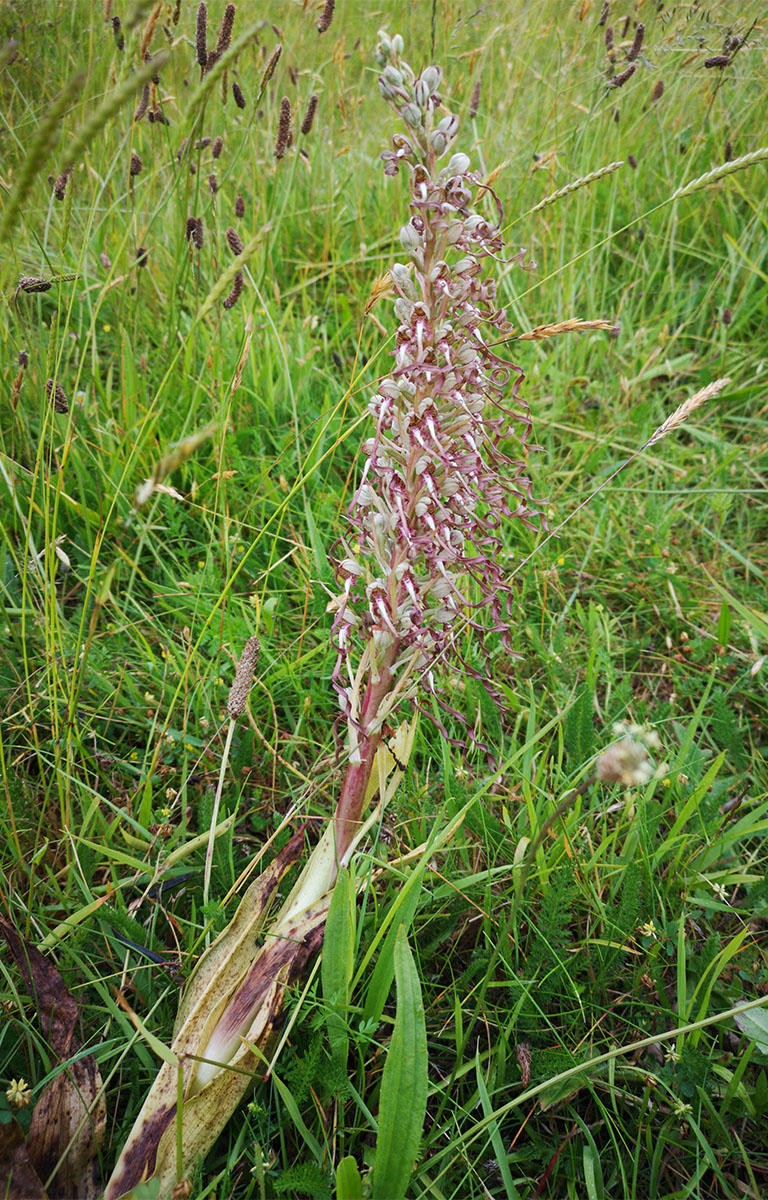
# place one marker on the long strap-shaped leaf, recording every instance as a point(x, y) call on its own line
point(403, 1100)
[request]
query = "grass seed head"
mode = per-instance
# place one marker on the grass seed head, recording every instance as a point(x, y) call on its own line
point(637, 43)
point(239, 207)
point(213, 184)
point(32, 283)
point(233, 241)
point(620, 79)
point(269, 69)
point(604, 11)
point(201, 35)
point(326, 16)
point(246, 668)
point(474, 100)
point(309, 115)
point(237, 290)
point(684, 410)
point(117, 33)
point(225, 30)
point(237, 93)
point(60, 184)
point(136, 165)
point(283, 128)
point(54, 391)
point(143, 104)
point(658, 90)
point(217, 146)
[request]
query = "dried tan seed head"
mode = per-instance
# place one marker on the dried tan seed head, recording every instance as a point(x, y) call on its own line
point(683, 412)
point(269, 69)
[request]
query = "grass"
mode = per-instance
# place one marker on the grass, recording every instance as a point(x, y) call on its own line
point(568, 979)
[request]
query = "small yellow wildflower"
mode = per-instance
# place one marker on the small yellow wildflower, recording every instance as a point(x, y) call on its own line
point(648, 929)
point(19, 1094)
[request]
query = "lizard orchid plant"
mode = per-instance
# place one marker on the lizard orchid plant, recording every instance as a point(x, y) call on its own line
point(422, 586)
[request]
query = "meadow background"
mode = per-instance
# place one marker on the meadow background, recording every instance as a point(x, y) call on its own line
point(565, 920)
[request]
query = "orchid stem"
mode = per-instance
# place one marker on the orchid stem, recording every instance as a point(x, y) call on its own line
point(214, 818)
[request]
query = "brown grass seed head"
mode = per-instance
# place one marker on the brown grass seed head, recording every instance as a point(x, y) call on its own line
point(217, 146)
point(225, 31)
point(623, 76)
point(237, 290)
point(243, 682)
point(637, 42)
point(309, 115)
point(56, 392)
point(326, 16)
point(283, 127)
point(201, 35)
point(239, 207)
point(143, 104)
point(233, 241)
point(60, 185)
point(237, 93)
point(117, 33)
point(136, 165)
point(33, 283)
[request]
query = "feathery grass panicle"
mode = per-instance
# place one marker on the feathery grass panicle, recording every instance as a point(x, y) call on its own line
point(309, 115)
point(575, 185)
point(149, 30)
point(283, 128)
point(226, 279)
point(717, 173)
point(243, 682)
point(683, 412)
point(111, 104)
point(42, 143)
point(572, 325)
point(170, 461)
